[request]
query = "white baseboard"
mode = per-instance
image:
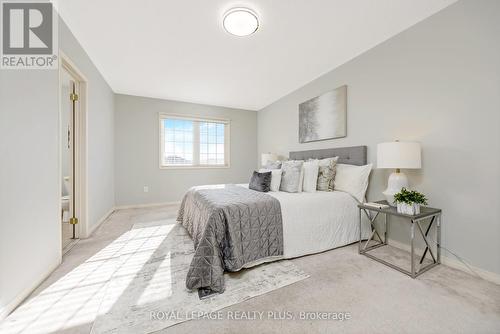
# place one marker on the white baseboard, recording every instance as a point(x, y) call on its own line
point(99, 222)
point(122, 207)
point(148, 205)
point(14, 303)
point(452, 262)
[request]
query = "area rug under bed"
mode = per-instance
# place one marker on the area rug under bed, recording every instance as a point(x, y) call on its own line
point(147, 292)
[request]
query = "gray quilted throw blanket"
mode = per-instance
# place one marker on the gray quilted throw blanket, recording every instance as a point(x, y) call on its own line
point(231, 226)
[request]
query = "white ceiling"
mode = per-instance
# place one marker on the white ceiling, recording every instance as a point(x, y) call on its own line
point(178, 50)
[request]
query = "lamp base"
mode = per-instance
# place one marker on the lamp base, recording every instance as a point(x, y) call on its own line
point(396, 182)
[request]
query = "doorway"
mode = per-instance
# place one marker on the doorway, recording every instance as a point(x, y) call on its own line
point(68, 88)
point(73, 154)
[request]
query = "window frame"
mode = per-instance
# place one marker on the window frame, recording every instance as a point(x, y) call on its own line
point(227, 140)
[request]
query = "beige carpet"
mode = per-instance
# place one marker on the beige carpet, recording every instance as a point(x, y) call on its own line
point(379, 299)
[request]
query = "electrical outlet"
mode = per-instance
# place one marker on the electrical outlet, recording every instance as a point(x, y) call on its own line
point(146, 189)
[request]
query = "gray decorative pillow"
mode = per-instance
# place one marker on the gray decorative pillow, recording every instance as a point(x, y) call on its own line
point(260, 181)
point(290, 177)
point(326, 174)
point(272, 165)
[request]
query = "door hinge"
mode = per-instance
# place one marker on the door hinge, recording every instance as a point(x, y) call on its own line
point(73, 97)
point(73, 220)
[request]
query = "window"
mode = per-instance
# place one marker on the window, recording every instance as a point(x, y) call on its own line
point(193, 142)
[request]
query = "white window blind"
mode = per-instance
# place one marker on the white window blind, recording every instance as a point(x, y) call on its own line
point(193, 142)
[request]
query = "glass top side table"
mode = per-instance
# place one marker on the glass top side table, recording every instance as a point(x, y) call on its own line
point(426, 215)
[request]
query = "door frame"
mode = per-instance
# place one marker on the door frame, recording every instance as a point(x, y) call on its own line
point(80, 144)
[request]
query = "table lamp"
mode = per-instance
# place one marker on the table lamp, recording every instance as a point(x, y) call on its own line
point(398, 155)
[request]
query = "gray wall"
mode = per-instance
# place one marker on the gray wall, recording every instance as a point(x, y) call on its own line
point(30, 244)
point(137, 149)
point(437, 83)
point(30, 226)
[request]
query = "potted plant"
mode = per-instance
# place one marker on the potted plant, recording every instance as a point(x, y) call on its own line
point(409, 201)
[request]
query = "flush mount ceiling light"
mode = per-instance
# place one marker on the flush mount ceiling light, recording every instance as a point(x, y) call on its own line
point(240, 21)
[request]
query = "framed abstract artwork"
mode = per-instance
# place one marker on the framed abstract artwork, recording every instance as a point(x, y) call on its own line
point(324, 117)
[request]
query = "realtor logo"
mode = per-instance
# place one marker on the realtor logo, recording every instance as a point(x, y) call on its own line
point(29, 35)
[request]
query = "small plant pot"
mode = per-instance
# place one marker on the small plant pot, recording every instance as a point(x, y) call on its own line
point(409, 209)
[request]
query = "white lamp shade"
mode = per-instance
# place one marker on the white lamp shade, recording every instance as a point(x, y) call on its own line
point(405, 155)
point(267, 157)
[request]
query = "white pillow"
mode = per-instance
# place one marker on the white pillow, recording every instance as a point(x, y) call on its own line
point(353, 179)
point(310, 182)
point(275, 178)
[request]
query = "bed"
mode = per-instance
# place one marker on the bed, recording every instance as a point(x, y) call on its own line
point(234, 227)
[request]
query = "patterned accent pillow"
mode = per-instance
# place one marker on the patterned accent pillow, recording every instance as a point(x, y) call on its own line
point(290, 177)
point(326, 174)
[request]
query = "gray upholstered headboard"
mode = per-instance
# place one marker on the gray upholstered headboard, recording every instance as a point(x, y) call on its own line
point(355, 155)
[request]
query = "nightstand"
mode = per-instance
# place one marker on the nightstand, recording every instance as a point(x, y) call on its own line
point(427, 216)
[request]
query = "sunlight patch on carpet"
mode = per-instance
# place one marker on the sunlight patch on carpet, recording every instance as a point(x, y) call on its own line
point(151, 278)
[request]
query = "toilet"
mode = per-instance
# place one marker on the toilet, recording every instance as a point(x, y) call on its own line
point(65, 200)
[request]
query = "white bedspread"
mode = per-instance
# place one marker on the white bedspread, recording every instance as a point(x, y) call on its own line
point(319, 221)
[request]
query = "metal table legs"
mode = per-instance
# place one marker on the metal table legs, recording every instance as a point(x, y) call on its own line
point(436, 259)
point(365, 248)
